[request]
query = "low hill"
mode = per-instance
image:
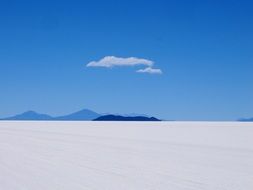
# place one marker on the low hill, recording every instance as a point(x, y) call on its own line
point(124, 118)
point(246, 119)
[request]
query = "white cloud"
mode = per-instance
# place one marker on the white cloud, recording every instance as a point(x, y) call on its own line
point(111, 61)
point(150, 71)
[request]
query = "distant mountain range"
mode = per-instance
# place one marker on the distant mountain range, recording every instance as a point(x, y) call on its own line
point(124, 118)
point(246, 119)
point(83, 115)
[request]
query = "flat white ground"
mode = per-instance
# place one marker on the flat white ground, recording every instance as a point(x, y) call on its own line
point(126, 155)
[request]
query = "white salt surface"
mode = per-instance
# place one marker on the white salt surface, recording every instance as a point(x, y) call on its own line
point(126, 155)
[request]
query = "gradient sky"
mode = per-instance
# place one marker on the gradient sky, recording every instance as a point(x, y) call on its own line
point(204, 49)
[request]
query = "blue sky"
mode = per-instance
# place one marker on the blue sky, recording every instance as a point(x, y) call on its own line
point(204, 50)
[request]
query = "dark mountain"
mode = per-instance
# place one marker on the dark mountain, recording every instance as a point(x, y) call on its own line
point(246, 119)
point(123, 118)
point(30, 115)
point(83, 115)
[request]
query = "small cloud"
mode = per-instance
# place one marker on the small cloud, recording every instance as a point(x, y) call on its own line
point(150, 71)
point(112, 61)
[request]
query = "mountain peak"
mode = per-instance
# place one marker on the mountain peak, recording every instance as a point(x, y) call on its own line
point(82, 115)
point(29, 115)
point(31, 112)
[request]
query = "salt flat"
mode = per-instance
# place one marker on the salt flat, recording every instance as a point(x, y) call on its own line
point(126, 155)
